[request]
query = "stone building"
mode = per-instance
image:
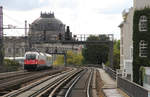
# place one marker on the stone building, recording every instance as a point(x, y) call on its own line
point(45, 28)
point(126, 42)
point(14, 46)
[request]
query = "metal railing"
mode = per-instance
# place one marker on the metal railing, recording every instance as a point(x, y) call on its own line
point(131, 88)
point(110, 71)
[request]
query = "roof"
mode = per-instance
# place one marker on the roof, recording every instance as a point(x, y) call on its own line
point(46, 21)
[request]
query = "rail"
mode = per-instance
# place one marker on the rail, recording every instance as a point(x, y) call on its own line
point(41, 85)
point(131, 88)
point(63, 82)
point(88, 87)
point(110, 71)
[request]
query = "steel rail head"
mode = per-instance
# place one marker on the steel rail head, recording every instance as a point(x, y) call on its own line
point(42, 91)
point(88, 87)
point(18, 92)
point(68, 91)
point(53, 92)
point(57, 85)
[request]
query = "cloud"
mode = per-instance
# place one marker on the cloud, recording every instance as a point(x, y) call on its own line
point(83, 16)
point(23, 4)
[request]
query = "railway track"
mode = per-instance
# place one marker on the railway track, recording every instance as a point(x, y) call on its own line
point(11, 74)
point(39, 88)
point(80, 87)
point(14, 77)
point(74, 83)
point(16, 81)
point(69, 88)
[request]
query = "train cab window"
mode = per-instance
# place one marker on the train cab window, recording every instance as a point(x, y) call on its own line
point(31, 57)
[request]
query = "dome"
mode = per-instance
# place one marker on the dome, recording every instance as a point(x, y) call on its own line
point(48, 22)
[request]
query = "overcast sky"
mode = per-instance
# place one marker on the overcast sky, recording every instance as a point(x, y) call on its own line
point(83, 16)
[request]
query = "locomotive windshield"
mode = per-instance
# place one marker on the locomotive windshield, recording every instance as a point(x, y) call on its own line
point(30, 56)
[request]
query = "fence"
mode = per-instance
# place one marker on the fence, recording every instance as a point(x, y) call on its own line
point(111, 72)
point(131, 88)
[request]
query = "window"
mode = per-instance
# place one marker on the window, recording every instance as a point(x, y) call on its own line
point(9, 50)
point(30, 56)
point(143, 23)
point(17, 50)
point(143, 45)
point(23, 50)
point(147, 79)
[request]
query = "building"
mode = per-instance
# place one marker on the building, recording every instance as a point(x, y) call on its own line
point(133, 46)
point(45, 28)
point(126, 42)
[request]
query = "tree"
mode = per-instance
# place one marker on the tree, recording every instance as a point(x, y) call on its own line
point(59, 60)
point(95, 54)
point(1, 55)
point(11, 65)
point(72, 59)
point(116, 60)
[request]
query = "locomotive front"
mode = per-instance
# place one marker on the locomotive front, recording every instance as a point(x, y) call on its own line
point(31, 61)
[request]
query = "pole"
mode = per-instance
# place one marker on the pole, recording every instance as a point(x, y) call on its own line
point(14, 50)
point(25, 27)
point(26, 35)
point(1, 37)
point(65, 59)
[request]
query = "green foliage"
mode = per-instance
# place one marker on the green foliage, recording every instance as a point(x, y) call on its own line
point(70, 55)
point(11, 65)
point(59, 61)
point(107, 63)
point(1, 55)
point(142, 71)
point(72, 59)
point(137, 36)
point(116, 60)
point(95, 54)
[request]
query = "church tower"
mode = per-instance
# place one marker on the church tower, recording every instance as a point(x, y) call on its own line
point(141, 4)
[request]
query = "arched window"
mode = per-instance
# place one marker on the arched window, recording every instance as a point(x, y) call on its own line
point(143, 23)
point(143, 45)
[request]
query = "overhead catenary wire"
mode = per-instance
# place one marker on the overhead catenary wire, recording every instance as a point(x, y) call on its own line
point(14, 20)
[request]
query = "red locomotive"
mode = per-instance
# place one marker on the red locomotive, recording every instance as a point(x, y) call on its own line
point(37, 60)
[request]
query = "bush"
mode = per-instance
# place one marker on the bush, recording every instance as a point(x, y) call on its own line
point(11, 65)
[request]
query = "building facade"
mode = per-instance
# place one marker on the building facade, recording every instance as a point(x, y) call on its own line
point(126, 42)
point(45, 28)
point(128, 36)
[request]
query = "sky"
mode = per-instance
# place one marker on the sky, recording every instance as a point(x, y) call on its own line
point(83, 16)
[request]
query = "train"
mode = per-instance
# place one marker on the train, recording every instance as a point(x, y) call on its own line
point(37, 60)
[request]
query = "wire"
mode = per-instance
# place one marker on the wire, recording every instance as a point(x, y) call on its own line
point(16, 21)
